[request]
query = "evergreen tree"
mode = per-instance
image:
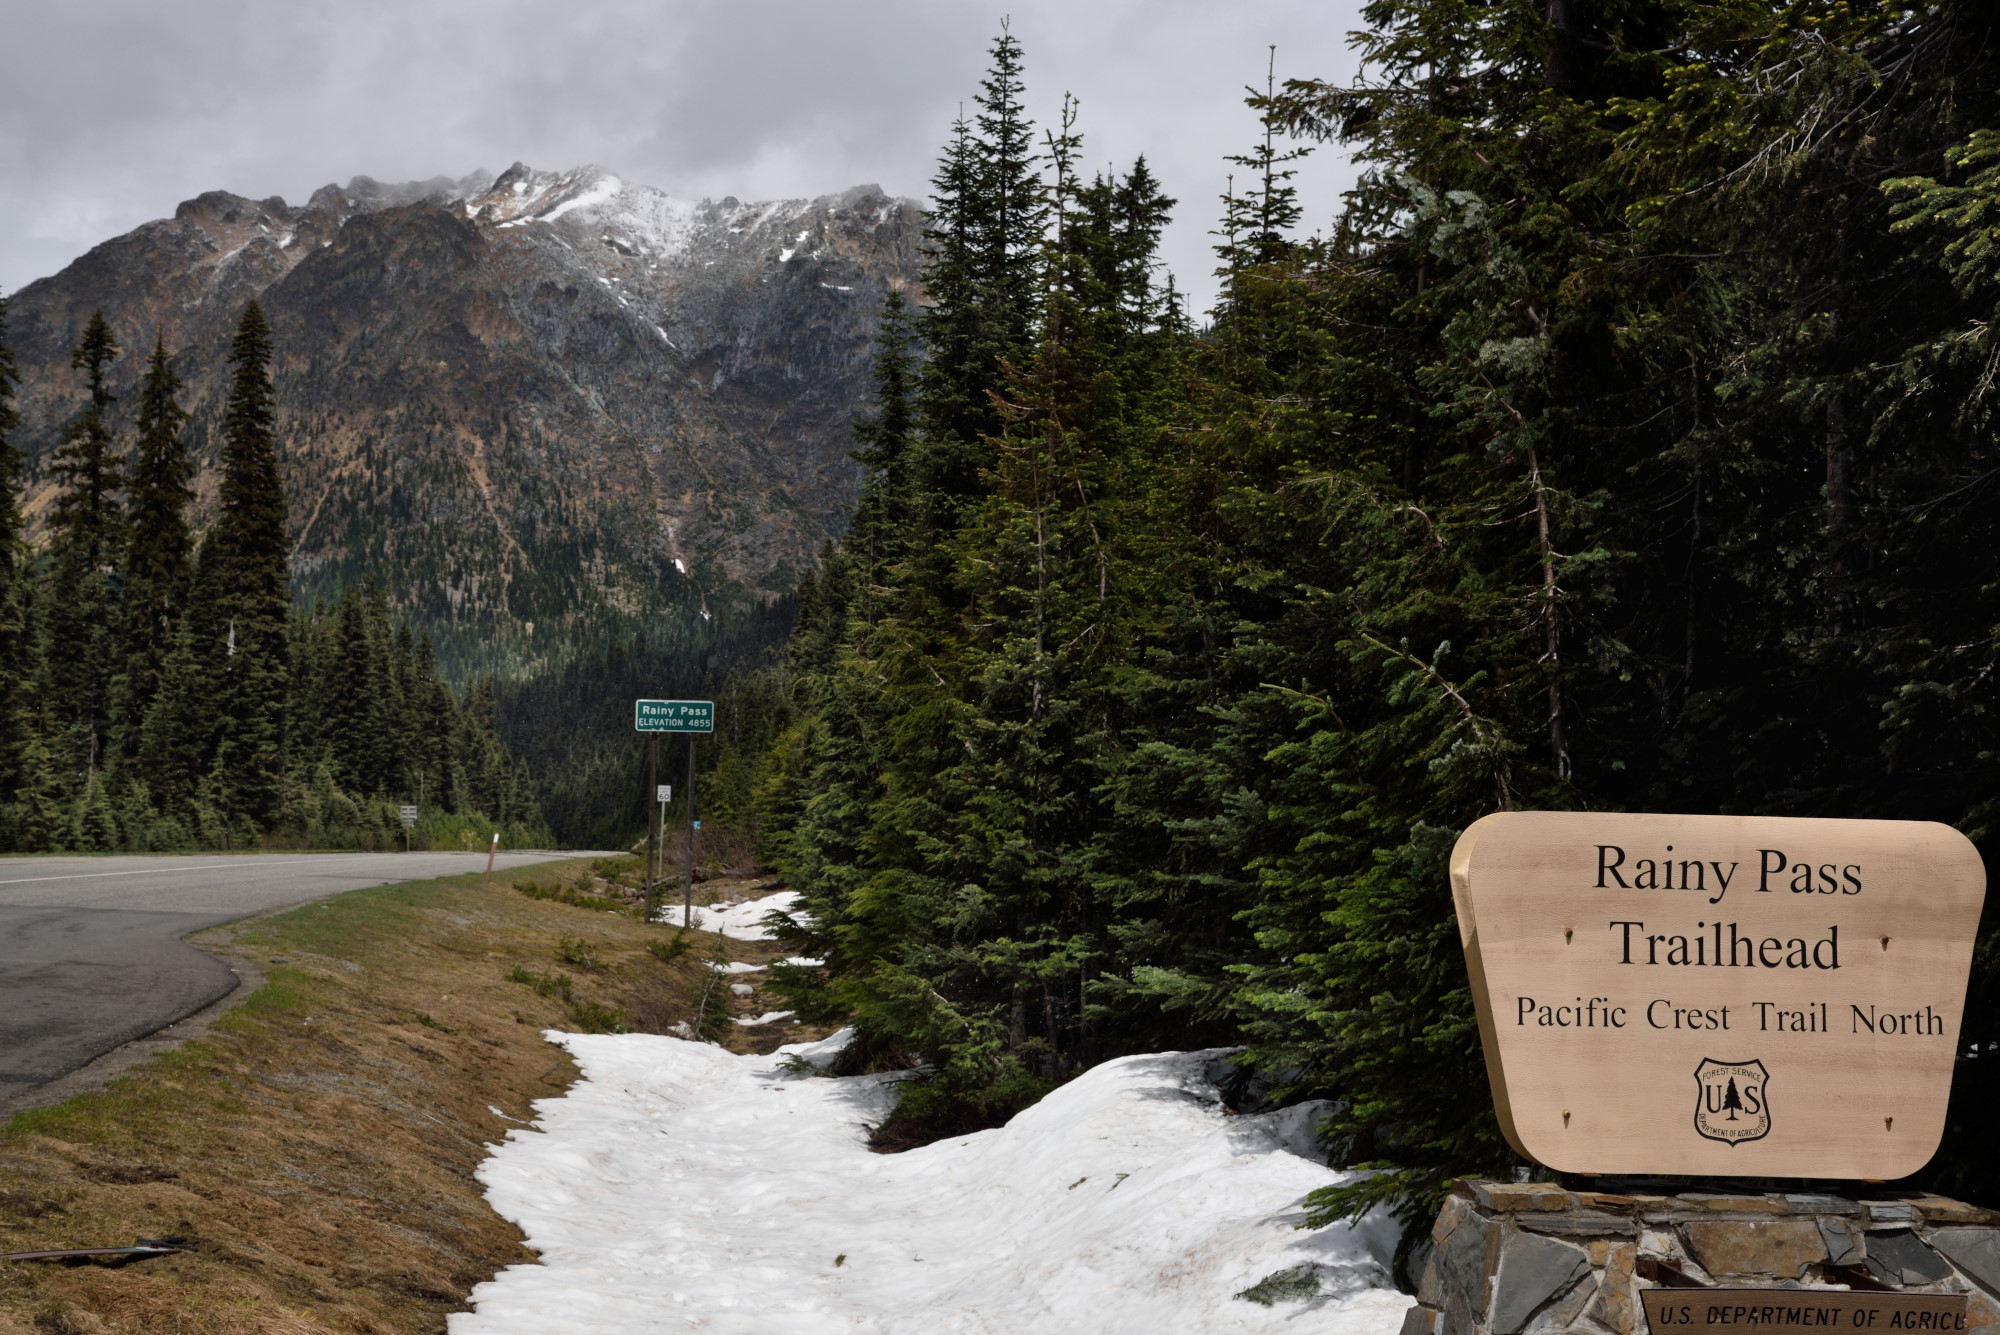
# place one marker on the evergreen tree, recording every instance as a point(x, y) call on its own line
point(158, 557)
point(879, 532)
point(981, 279)
point(245, 636)
point(1514, 490)
point(1258, 221)
point(85, 538)
point(16, 660)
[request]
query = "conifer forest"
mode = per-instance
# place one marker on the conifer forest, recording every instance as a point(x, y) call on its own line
point(1626, 442)
point(159, 693)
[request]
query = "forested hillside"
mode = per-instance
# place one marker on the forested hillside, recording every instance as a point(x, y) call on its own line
point(1627, 442)
point(573, 726)
point(545, 412)
point(160, 694)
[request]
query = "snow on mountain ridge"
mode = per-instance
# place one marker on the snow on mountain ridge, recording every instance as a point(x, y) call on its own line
point(641, 220)
point(649, 397)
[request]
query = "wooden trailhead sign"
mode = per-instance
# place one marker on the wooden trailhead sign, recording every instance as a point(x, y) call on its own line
point(1744, 996)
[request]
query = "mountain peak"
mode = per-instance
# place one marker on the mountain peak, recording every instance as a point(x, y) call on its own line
point(549, 398)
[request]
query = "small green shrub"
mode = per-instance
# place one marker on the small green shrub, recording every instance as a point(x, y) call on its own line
point(614, 867)
point(712, 1019)
point(545, 985)
point(424, 1019)
point(575, 950)
point(666, 952)
point(564, 894)
point(595, 1018)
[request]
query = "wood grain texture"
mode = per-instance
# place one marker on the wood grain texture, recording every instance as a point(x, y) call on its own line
point(1812, 971)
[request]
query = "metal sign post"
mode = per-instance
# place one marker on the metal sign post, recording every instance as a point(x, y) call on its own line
point(652, 777)
point(687, 901)
point(692, 717)
point(657, 820)
point(409, 815)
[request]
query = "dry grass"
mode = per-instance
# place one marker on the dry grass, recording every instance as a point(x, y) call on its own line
point(316, 1147)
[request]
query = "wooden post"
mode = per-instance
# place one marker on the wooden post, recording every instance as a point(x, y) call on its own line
point(687, 905)
point(489, 858)
point(652, 791)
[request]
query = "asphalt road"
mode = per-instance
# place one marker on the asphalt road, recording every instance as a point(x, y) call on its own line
point(91, 954)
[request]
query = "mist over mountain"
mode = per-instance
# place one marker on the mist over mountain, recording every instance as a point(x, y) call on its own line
point(543, 409)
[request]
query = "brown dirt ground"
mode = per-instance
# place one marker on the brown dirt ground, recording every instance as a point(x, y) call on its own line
point(315, 1148)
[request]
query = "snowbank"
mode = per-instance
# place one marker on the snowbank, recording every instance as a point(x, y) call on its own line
point(681, 1187)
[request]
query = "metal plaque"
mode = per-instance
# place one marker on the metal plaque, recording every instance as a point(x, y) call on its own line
point(1741, 1311)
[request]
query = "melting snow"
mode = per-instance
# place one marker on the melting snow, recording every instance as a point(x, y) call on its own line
point(745, 920)
point(678, 1186)
point(768, 1017)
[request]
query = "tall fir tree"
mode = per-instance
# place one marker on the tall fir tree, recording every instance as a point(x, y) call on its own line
point(159, 548)
point(245, 564)
point(981, 282)
point(85, 535)
point(878, 532)
point(17, 716)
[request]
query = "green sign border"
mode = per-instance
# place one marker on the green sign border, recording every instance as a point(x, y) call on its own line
point(674, 723)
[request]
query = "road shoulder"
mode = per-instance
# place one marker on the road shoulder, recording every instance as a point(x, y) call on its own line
point(316, 1138)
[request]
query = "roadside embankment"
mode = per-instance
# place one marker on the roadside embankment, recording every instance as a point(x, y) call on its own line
point(316, 1146)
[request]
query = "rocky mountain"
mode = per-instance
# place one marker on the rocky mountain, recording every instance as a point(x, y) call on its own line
point(542, 409)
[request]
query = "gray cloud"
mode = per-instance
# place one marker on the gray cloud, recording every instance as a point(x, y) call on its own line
point(112, 111)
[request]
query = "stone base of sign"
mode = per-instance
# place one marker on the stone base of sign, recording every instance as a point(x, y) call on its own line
point(1537, 1258)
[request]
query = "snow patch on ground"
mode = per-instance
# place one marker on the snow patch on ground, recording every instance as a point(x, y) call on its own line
point(768, 1017)
point(745, 920)
point(678, 1186)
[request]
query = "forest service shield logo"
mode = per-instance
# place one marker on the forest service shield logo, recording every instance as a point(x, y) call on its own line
point(1730, 1105)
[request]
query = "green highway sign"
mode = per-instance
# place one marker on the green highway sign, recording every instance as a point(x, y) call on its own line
point(673, 715)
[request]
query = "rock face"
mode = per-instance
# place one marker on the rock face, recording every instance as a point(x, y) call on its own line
point(540, 409)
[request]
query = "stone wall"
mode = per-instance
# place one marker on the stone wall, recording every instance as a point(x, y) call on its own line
point(1535, 1258)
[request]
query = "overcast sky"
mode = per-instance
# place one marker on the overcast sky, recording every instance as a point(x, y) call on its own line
point(113, 111)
